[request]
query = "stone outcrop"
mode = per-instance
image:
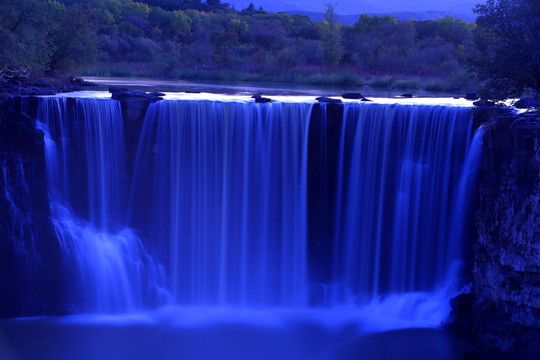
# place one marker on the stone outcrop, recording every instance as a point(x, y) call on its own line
point(506, 307)
point(30, 277)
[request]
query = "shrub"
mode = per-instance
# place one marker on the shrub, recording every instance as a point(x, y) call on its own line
point(408, 84)
point(383, 82)
point(436, 85)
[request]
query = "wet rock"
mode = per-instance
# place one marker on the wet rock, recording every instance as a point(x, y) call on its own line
point(506, 315)
point(81, 82)
point(355, 96)
point(120, 93)
point(324, 99)
point(461, 316)
point(484, 103)
point(30, 253)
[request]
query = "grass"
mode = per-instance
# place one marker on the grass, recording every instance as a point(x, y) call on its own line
point(407, 84)
point(434, 85)
point(314, 76)
point(318, 78)
point(383, 82)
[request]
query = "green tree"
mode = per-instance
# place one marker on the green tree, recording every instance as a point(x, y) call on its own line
point(75, 43)
point(331, 37)
point(507, 46)
point(366, 23)
point(225, 37)
point(25, 33)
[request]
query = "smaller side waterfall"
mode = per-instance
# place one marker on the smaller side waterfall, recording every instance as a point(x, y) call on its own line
point(106, 264)
point(21, 229)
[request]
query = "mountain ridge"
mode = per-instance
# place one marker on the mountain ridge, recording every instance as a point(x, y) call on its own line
point(402, 9)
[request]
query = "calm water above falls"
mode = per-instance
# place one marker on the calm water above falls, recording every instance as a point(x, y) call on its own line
point(215, 214)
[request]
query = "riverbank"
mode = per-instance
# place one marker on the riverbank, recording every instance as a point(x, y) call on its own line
point(457, 82)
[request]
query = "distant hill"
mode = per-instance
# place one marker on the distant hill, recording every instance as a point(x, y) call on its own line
point(351, 9)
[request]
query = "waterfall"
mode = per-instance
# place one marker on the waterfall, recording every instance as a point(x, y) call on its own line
point(228, 199)
point(21, 230)
point(220, 195)
point(398, 197)
point(107, 268)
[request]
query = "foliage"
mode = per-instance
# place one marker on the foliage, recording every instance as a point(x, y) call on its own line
point(408, 84)
point(383, 82)
point(507, 48)
point(210, 40)
point(331, 37)
point(25, 29)
point(366, 23)
point(44, 35)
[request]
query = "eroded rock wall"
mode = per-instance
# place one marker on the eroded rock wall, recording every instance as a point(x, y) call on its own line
point(30, 277)
point(506, 310)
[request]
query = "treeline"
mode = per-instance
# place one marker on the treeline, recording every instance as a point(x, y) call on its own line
point(194, 39)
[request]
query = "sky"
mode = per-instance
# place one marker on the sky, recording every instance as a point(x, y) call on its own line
point(354, 7)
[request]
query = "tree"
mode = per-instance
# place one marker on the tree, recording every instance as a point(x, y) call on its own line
point(366, 23)
point(507, 47)
point(74, 39)
point(25, 33)
point(331, 37)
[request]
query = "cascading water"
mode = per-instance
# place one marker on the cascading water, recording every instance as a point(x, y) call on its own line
point(84, 155)
point(286, 230)
point(229, 198)
point(22, 230)
point(397, 196)
point(220, 192)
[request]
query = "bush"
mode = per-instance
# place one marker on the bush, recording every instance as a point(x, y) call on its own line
point(383, 82)
point(408, 84)
point(436, 85)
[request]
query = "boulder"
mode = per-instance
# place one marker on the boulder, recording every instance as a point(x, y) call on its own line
point(120, 93)
point(356, 96)
point(324, 99)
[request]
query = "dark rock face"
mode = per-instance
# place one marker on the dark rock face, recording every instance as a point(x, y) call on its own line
point(30, 280)
point(123, 94)
point(28, 87)
point(324, 132)
point(31, 277)
point(506, 310)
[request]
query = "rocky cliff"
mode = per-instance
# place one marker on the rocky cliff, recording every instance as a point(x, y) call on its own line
point(30, 279)
point(506, 306)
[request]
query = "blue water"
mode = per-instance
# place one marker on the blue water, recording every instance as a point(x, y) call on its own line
point(206, 240)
